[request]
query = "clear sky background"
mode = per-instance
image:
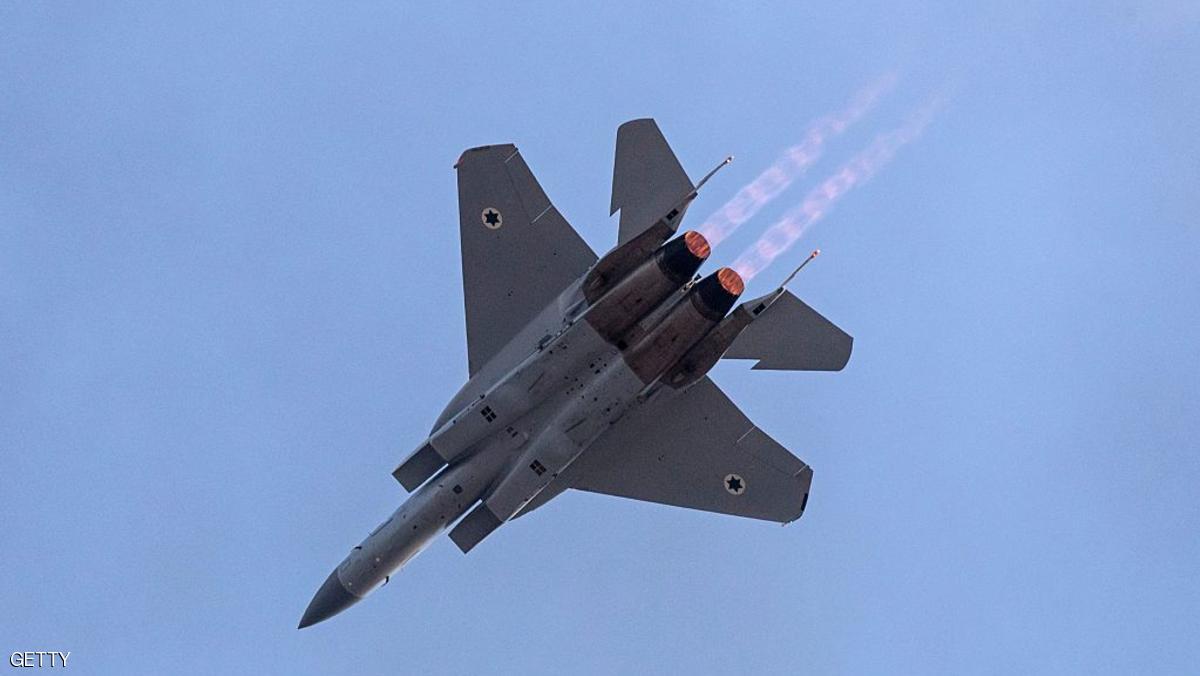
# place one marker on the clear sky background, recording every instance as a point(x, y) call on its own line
point(230, 304)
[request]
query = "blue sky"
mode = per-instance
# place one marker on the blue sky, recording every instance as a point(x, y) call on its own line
point(230, 304)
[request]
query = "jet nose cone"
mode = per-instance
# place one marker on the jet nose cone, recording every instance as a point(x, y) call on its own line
point(331, 599)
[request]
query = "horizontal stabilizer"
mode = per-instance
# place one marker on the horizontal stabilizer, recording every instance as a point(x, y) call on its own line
point(648, 180)
point(791, 336)
point(474, 528)
point(421, 465)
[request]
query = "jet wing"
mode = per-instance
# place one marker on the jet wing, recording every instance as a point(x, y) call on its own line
point(695, 450)
point(518, 252)
point(791, 336)
point(647, 178)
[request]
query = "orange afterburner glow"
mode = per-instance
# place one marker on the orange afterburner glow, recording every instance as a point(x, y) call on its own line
point(785, 232)
point(792, 164)
point(696, 244)
point(731, 281)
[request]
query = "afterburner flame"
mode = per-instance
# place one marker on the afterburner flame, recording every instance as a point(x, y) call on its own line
point(820, 200)
point(791, 164)
point(731, 281)
point(696, 244)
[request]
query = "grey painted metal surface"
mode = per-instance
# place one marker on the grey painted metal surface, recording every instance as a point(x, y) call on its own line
point(791, 336)
point(686, 449)
point(648, 180)
point(518, 252)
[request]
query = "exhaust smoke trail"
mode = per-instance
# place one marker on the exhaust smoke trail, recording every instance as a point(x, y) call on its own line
point(791, 165)
point(820, 200)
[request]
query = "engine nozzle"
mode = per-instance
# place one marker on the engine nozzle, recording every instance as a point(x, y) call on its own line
point(715, 294)
point(681, 257)
point(658, 345)
point(648, 285)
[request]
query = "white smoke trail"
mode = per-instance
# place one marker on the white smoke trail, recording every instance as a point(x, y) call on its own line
point(791, 164)
point(820, 200)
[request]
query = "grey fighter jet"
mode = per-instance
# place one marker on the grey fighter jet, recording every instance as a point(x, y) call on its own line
point(590, 373)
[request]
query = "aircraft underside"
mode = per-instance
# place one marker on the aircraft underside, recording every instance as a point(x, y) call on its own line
point(590, 373)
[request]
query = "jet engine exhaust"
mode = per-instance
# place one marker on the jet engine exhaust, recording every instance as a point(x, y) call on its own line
point(792, 164)
point(820, 200)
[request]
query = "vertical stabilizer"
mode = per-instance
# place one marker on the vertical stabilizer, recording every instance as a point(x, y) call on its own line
point(648, 180)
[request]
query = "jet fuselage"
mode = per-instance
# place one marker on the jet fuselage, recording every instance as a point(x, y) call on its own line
point(503, 447)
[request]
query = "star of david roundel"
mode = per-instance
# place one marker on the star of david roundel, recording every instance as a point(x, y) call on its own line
point(735, 484)
point(492, 219)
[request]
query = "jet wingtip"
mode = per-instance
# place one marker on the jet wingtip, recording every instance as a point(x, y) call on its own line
point(478, 149)
point(635, 122)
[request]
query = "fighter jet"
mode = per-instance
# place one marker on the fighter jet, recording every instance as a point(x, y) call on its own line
point(591, 373)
